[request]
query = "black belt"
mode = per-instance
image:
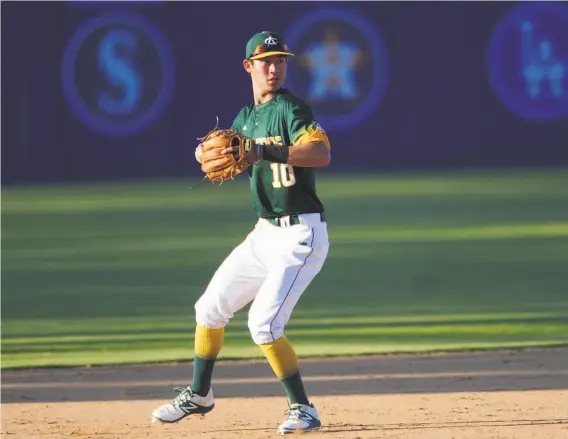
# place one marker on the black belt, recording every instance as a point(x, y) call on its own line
point(293, 220)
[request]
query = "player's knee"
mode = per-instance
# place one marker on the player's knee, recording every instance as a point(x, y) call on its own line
point(262, 333)
point(207, 314)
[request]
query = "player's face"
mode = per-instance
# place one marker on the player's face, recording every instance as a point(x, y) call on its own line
point(268, 73)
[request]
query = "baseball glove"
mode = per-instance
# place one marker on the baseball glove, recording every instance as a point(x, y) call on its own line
point(219, 166)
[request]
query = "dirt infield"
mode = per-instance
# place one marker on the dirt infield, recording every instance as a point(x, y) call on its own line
point(513, 394)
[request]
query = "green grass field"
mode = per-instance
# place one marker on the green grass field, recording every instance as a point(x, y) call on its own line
point(109, 273)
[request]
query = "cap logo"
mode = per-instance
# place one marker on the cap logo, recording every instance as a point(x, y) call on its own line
point(271, 41)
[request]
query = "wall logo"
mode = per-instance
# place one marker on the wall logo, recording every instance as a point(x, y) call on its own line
point(527, 60)
point(118, 74)
point(341, 66)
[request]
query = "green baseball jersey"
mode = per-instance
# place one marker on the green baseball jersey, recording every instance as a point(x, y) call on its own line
point(280, 189)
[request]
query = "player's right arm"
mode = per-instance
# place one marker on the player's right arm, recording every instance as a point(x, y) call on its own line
point(309, 145)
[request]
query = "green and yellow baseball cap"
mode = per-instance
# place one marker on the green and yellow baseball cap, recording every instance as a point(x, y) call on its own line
point(265, 44)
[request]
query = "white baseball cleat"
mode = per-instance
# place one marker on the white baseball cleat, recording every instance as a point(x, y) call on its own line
point(186, 403)
point(301, 418)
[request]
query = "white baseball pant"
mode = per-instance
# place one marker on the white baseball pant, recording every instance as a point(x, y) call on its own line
point(272, 267)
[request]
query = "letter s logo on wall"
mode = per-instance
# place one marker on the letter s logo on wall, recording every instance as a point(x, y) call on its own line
point(118, 74)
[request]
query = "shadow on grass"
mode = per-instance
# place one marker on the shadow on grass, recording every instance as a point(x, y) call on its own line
point(237, 333)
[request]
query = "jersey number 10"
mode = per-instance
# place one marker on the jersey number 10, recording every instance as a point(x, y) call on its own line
point(282, 175)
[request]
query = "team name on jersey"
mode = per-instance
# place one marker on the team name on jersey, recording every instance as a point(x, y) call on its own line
point(276, 140)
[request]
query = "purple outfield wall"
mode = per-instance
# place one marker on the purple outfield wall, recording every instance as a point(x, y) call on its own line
point(109, 90)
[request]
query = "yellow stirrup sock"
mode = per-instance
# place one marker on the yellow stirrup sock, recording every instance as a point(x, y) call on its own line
point(281, 357)
point(208, 342)
point(284, 362)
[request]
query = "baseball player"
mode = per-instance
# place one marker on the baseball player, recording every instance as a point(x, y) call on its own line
point(286, 249)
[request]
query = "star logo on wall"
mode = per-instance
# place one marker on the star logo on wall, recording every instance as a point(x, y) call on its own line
point(333, 64)
point(341, 65)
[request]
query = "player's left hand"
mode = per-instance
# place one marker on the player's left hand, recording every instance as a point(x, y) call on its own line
point(226, 154)
point(250, 151)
